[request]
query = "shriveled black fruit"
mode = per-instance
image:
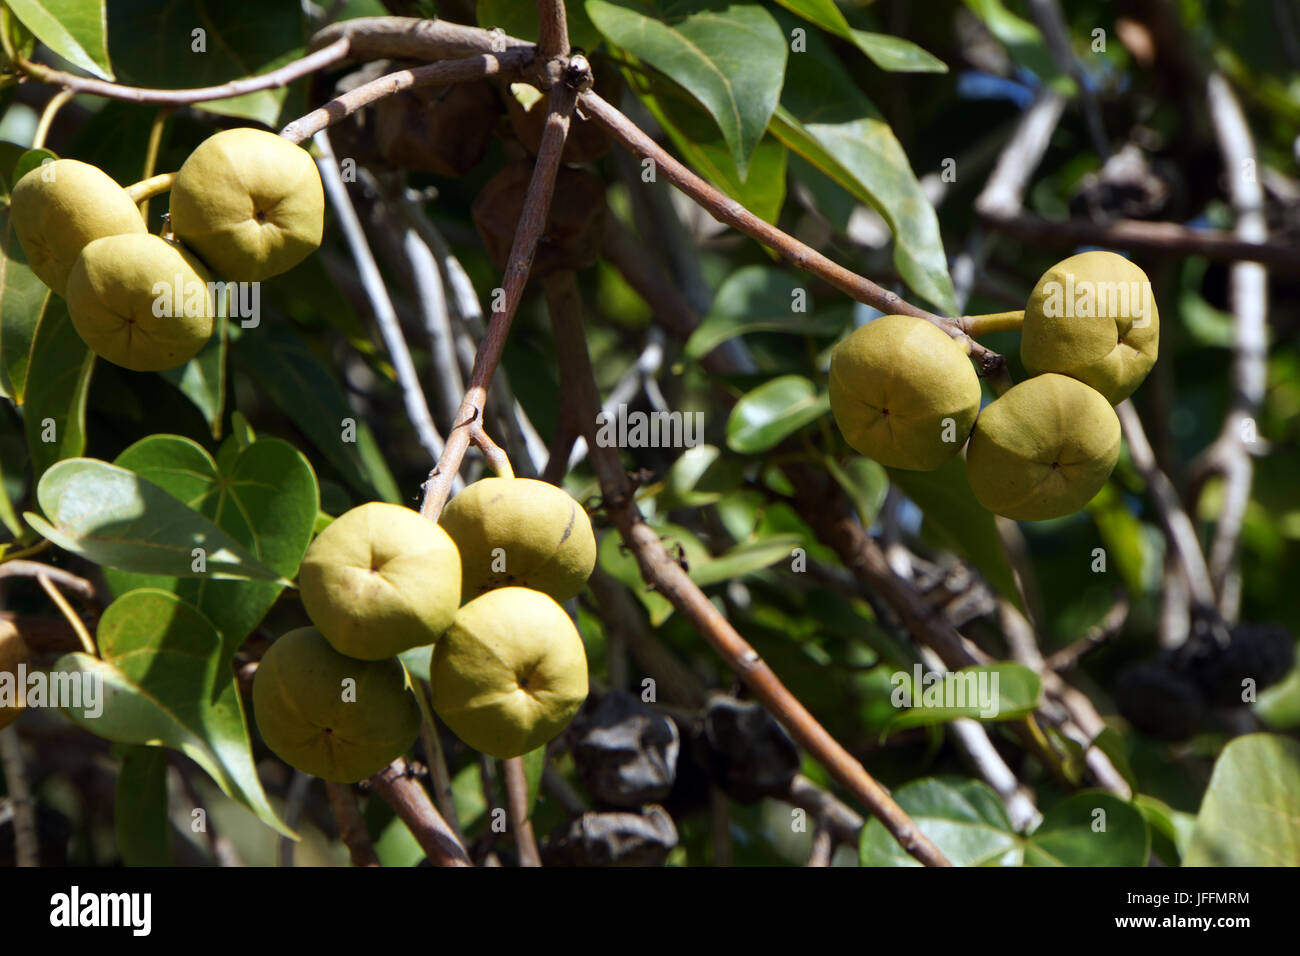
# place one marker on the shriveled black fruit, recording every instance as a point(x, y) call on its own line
point(1159, 701)
point(438, 129)
point(746, 752)
point(625, 751)
point(613, 839)
point(1261, 653)
point(573, 229)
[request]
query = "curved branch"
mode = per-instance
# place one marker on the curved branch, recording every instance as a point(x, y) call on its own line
point(323, 57)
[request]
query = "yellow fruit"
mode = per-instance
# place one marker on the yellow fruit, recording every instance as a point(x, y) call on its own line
point(59, 207)
point(380, 580)
point(13, 651)
point(510, 672)
point(1043, 449)
point(249, 203)
point(1093, 317)
point(141, 302)
point(903, 392)
point(520, 531)
point(332, 716)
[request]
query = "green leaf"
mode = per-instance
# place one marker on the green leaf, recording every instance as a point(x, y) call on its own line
point(865, 482)
point(761, 299)
point(32, 159)
point(778, 408)
point(957, 521)
point(1110, 742)
point(58, 382)
point(1017, 690)
point(24, 302)
point(695, 135)
point(896, 54)
point(166, 682)
point(154, 45)
point(965, 819)
point(13, 483)
point(887, 52)
point(731, 58)
point(74, 29)
point(264, 496)
point(1121, 533)
point(1171, 830)
point(112, 516)
point(1251, 812)
point(619, 563)
point(534, 764)
point(745, 558)
point(307, 391)
point(702, 475)
point(520, 20)
point(140, 808)
point(828, 121)
point(1023, 42)
point(203, 378)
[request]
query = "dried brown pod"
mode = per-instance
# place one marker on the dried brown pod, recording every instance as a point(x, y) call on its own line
point(573, 229)
point(527, 106)
point(438, 129)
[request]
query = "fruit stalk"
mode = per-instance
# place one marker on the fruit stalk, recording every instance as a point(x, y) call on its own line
point(411, 802)
point(517, 809)
point(977, 325)
point(47, 117)
point(146, 189)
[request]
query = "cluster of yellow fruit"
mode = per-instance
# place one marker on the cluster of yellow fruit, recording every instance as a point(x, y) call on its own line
point(904, 393)
point(245, 206)
point(508, 670)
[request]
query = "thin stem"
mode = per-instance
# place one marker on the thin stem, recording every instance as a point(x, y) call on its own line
point(977, 325)
point(433, 74)
point(26, 848)
point(411, 802)
point(553, 29)
point(352, 828)
point(151, 157)
point(285, 75)
point(517, 809)
point(21, 553)
point(532, 223)
point(146, 189)
point(47, 117)
point(66, 610)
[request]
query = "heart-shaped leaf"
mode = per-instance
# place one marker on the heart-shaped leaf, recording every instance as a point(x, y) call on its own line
point(764, 417)
point(730, 57)
point(74, 29)
point(761, 299)
point(113, 517)
point(1251, 812)
point(263, 495)
point(165, 681)
point(965, 819)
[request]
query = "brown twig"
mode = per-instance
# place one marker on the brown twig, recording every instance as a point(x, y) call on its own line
point(329, 54)
point(78, 585)
point(667, 577)
point(517, 811)
point(352, 828)
point(553, 29)
point(433, 74)
point(411, 802)
point(729, 211)
point(532, 223)
point(1104, 630)
point(411, 38)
